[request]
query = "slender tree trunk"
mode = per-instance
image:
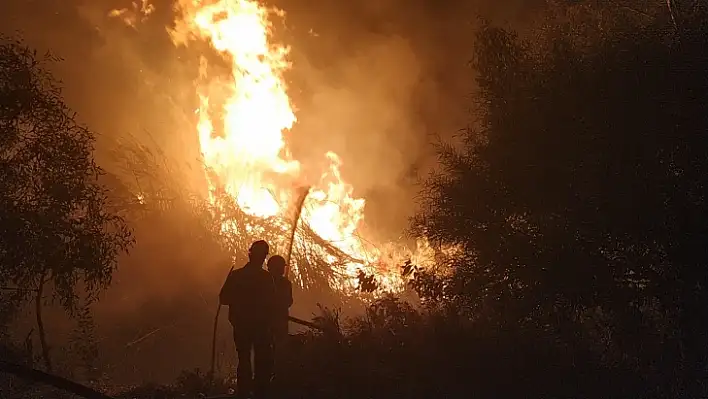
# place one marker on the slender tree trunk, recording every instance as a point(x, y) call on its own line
point(40, 325)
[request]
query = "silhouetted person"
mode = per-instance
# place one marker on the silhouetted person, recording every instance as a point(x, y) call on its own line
point(283, 300)
point(250, 294)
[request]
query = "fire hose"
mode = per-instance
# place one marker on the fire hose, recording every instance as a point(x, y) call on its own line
point(300, 202)
point(34, 375)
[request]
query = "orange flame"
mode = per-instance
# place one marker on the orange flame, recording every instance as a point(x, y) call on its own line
point(243, 122)
point(137, 13)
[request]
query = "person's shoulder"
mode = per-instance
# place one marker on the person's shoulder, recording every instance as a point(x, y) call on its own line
point(238, 272)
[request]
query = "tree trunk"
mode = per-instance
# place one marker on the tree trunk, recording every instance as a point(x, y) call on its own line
point(40, 325)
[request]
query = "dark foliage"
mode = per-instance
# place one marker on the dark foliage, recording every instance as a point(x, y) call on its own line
point(53, 219)
point(397, 351)
point(581, 201)
point(55, 230)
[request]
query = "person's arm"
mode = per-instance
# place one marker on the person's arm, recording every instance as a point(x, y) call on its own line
point(290, 293)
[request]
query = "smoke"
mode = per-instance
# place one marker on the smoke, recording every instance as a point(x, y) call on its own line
point(375, 80)
point(371, 80)
point(361, 113)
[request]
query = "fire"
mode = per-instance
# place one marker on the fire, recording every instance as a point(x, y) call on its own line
point(137, 13)
point(253, 105)
point(243, 122)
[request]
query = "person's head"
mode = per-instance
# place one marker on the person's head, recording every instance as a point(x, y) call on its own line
point(258, 252)
point(276, 265)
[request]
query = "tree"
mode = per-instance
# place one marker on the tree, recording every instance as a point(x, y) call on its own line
point(57, 233)
point(583, 186)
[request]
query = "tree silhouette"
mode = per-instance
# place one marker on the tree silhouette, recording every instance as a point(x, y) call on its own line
point(56, 232)
point(583, 185)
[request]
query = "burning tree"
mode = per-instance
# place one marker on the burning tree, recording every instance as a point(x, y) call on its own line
point(153, 188)
point(252, 180)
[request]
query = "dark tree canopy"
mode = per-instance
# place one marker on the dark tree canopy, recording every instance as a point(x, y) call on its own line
point(55, 225)
point(584, 185)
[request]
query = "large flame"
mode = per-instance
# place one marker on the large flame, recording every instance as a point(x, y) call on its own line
point(252, 103)
point(244, 119)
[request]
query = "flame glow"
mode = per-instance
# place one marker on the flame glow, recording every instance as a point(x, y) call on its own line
point(243, 122)
point(138, 12)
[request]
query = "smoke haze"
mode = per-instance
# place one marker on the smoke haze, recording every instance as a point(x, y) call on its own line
point(371, 80)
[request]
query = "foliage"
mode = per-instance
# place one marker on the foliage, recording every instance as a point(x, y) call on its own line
point(396, 351)
point(580, 197)
point(53, 221)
